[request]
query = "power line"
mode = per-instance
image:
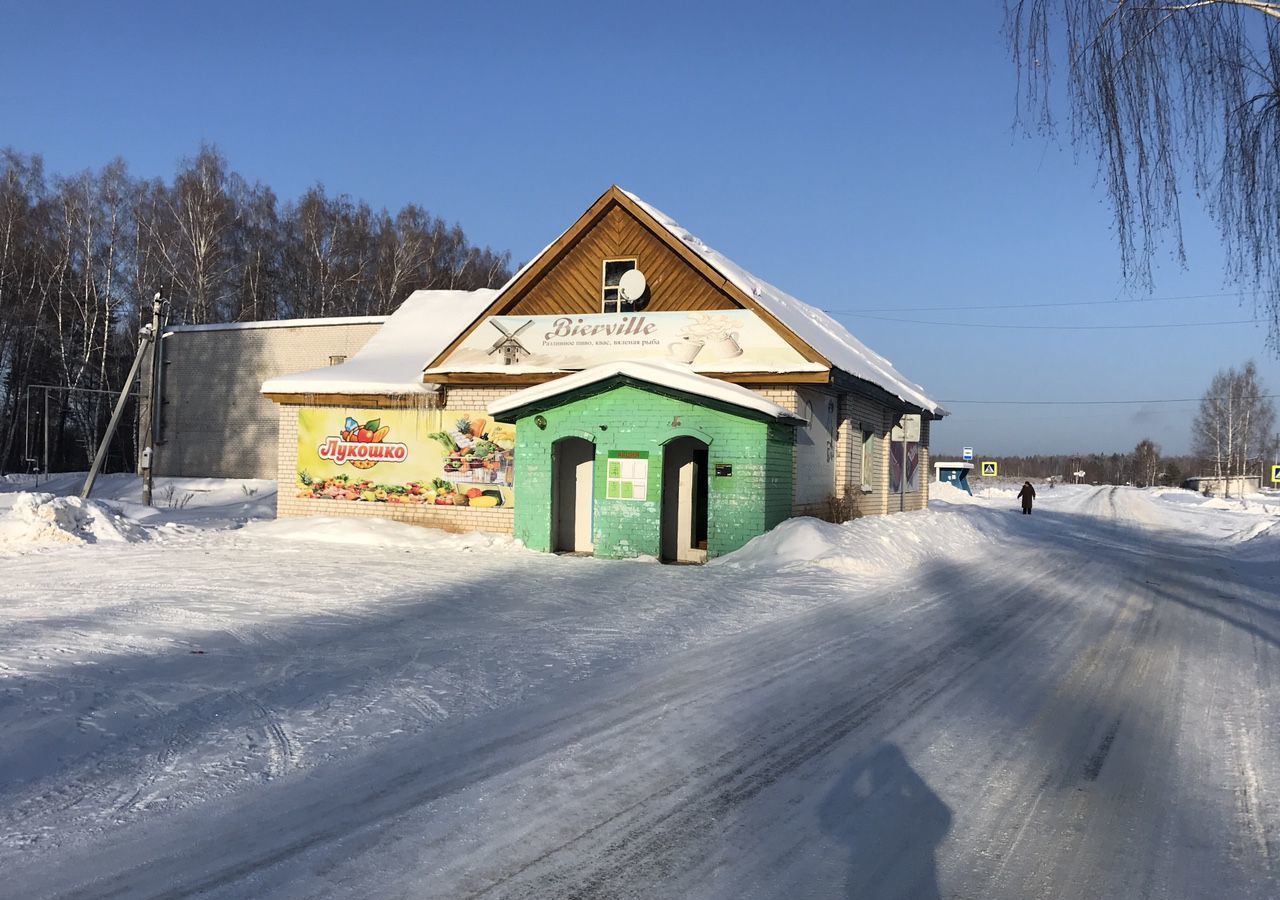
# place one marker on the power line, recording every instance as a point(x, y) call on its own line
point(1099, 402)
point(1056, 327)
point(872, 309)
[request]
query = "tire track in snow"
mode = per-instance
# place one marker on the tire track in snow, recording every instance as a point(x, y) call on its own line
point(281, 754)
point(1100, 688)
point(406, 789)
point(648, 838)
point(1256, 828)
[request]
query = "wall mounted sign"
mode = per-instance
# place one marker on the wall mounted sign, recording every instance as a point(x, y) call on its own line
point(627, 475)
point(907, 429)
point(729, 340)
point(406, 457)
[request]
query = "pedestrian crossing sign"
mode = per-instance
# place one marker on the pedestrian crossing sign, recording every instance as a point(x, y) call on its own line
point(989, 469)
point(1275, 474)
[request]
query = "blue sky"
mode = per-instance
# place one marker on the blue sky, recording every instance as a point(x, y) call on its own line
point(862, 159)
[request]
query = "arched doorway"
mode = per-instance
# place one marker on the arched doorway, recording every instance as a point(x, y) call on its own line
point(572, 477)
point(684, 500)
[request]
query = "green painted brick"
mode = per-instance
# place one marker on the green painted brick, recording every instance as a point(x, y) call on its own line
point(757, 498)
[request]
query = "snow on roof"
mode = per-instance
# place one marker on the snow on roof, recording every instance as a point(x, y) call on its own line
point(393, 360)
point(662, 374)
point(811, 325)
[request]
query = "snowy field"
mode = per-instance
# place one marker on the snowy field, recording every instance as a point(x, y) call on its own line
point(964, 702)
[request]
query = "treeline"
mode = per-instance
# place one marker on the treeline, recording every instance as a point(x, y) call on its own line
point(1144, 466)
point(81, 256)
point(1232, 436)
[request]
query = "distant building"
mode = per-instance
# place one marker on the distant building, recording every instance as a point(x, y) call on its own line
point(213, 420)
point(1209, 484)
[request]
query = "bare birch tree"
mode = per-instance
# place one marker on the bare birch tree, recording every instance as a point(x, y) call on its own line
point(1146, 462)
point(81, 256)
point(1233, 424)
point(1163, 91)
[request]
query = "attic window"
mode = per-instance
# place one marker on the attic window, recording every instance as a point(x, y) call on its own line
point(613, 270)
point(337, 359)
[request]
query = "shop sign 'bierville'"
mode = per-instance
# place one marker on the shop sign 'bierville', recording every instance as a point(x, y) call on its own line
point(406, 457)
point(732, 340)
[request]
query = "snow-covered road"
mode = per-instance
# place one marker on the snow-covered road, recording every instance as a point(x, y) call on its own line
point(962, 703)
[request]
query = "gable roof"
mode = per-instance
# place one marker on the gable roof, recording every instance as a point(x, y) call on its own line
point(817, 329)
point(816, 335)
point(391, 362)
point(668, 376)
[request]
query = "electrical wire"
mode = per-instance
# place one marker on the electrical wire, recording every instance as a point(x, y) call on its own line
point(874, 309)
point(1097, 402)
point(1054, 327)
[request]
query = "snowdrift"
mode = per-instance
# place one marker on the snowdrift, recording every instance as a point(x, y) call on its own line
point(35, 521)
point(878, 545)
point(946, 492)
point(376, 533)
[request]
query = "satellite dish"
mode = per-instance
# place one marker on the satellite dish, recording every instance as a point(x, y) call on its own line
point(631, 285)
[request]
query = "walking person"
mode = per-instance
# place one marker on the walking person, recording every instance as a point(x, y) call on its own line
point(1026, 495)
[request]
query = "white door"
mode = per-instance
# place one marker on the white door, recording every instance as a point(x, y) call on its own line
point(584, 474)
point(684, 501)
point(573, 472)
point(686, 514)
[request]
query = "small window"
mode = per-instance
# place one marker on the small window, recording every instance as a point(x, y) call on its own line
point(337, 359)
point(613, 271)
point(868, 460)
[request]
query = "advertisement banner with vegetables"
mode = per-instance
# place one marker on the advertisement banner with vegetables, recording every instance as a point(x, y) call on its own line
point(402, 456)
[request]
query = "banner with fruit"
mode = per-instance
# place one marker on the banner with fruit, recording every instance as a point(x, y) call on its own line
point(406, 456)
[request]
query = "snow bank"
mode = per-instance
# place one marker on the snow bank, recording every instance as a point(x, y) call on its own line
point(879, 545)
point(43, 520)
point(1256, 531)
point(377, 533)
point(946, 492)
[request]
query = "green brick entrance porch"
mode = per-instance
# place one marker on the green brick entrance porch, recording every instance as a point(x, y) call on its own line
point(631, 425)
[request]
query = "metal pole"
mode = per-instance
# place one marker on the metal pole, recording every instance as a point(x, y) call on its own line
point(147, 462)
point(902, 502)
point(46, 431)
point(101, 455)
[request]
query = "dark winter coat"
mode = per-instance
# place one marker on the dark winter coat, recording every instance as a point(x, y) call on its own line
point(1026, 495)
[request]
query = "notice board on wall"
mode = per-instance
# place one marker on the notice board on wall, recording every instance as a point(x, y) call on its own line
point(627, 475)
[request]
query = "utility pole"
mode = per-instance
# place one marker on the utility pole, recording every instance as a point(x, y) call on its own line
point(146, 463)
point(150, 334)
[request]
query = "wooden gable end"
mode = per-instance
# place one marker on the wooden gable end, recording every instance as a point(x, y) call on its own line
point(572, 284)
point(567, 278)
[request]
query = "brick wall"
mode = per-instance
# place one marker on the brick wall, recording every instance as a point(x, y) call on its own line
point(750, 501)
point(861, 414)
point(762, 456)
point(474, 397)
point(214, 421)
